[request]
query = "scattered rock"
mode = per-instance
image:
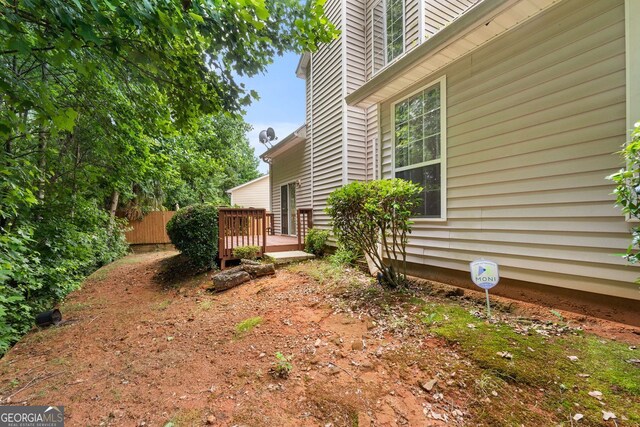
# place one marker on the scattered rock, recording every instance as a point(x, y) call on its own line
point(334, 370)
point(357, 345)
point(318, 343)
point(371, 325)
point(584, 375)
point(606, 415)
point(428, 386)
point(338, 341)
point(367, 366)
point(505, 355)
point(494, 393)
point(578, 417)
point(471, 326)
point(211, 420)
point(573, 358)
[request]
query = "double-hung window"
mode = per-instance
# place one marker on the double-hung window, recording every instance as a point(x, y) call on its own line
point(419, 146)
point(387, 32)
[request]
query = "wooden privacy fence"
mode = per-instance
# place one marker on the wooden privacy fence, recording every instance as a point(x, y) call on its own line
point(152, 229)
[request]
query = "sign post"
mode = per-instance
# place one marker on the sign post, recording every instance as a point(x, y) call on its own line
point(485, 275)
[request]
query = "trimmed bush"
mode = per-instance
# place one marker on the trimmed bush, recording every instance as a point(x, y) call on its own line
point(366, 215)
point(194, 232)
point(246, 252)
point(316, 241)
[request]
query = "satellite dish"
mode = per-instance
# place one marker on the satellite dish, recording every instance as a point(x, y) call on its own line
point(263, 136)
point(266, 136)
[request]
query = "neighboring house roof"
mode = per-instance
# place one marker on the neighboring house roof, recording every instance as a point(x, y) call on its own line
point(296, 137)
point(480, 24)
point(229, 191)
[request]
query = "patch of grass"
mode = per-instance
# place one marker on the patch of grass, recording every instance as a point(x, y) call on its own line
point(542, 363)
point(186, 418)
point(206, 304)
point(71, 307)
point(247, 325)
point(162, 305)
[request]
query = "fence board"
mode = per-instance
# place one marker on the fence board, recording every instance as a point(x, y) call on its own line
point(150, 230)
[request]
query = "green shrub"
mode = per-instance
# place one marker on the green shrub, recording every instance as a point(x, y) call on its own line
point(246, 252)
point(194, 232)
point(628, 190)
point(316, 241)
point(344, 256)
point(368, 214)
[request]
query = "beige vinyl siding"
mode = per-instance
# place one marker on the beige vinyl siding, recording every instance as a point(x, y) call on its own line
point(411, 24)
point(253, 195)
point(354, 77)
point(371, 142)
point(533, 122)
point(304, 195)
point(440, 13)
point(327, 118)
point(286, 168)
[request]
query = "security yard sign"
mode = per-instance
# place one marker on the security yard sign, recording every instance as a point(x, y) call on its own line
point(485, 274)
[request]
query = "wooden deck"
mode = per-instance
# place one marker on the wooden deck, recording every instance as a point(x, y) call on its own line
point(239, 227)
point(277, 242)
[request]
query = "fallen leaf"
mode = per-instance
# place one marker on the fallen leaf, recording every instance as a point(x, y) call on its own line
point(596, 394)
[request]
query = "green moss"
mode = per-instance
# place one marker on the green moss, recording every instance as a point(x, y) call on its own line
point(542, 363)
point(247, 325)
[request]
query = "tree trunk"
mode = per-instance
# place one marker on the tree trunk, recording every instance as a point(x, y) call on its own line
point(115, 196)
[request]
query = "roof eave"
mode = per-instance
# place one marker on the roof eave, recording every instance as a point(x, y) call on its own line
point(303, 63)
point(437, 42)
point(297, 136)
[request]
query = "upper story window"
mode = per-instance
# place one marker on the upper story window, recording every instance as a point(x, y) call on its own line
point(387, 31)
point(419, 146)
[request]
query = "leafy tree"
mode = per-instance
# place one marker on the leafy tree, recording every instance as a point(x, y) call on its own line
point(110, 103)
point(628, 189)
point(369, 215)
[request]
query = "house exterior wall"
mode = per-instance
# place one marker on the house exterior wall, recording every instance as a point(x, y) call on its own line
point(254, 195)
point(326, 123)
point(533, 121)
point(287, 168)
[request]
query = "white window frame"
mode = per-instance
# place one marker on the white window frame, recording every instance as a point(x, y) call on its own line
point(384, 39)
point(442, 81)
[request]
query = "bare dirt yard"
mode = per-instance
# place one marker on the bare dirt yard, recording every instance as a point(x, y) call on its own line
point(145, 344)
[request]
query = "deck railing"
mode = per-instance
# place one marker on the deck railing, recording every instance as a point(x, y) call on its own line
point(305, 222)
point(250, 227)
point(240, 227)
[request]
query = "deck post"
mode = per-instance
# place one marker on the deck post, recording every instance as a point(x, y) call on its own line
point(264, 231)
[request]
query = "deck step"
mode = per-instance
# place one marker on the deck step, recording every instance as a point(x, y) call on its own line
point(287, 257)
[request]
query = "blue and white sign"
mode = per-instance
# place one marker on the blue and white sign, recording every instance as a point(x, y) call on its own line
point(485, 274)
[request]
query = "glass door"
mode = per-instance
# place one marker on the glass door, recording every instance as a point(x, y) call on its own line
point(288, 217)
point(284, 210)
point(293, 220)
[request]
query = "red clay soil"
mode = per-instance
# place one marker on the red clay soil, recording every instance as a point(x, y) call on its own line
point(135, 350)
